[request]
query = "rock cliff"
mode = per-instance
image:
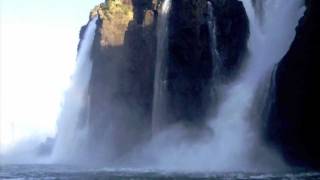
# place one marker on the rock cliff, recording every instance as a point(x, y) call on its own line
point(189, 73)
point(124, 55)
point(293, 123)
point(121, 85)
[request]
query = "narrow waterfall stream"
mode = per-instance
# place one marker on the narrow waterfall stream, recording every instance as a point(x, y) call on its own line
point(70, 131)
point(162, 45)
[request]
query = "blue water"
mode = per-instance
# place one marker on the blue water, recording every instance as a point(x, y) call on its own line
point(62, 172)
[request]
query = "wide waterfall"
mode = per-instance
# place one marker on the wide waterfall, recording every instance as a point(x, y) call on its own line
point(231, 141)
point(72, 124)
point(234, 143)
point(208, 89)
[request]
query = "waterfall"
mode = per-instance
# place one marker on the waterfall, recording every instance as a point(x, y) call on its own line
point(213, 39)
point(72, 123)
point(159, 84)
point(233, 144)
point(270, 38)
point(231, 140)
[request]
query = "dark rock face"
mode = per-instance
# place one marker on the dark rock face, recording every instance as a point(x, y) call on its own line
point(189, 64)
point(189, 68)
point(232, 31)
point(293, 124)
point(140, 8)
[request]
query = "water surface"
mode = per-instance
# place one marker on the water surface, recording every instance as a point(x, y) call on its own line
point(63, 172)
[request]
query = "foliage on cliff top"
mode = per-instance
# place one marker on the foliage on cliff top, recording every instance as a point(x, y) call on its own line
point(118, 8)
point(115, 16)
point(113, 9)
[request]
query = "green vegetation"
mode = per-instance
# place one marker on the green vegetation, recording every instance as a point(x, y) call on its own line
point(116, 16)
point(116, 7)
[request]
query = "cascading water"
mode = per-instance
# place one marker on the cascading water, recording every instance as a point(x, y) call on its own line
point(232, 146)
point(72, 128)
point(104, 124)
point(270, 38)
point(233, 141)
point(159, 96)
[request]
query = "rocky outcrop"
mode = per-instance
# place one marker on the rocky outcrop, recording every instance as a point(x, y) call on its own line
point(124, 54)
point(188, 66)
point(189, 75)
point(115, 16)
point(231, 27)
point(121, 85)
point(293, 124)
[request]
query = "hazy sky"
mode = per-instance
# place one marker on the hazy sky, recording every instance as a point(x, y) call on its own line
point(37, 52)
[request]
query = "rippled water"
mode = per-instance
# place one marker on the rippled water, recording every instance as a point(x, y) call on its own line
point(69, 172)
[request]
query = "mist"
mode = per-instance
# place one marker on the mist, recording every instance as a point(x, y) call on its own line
point(112, 133)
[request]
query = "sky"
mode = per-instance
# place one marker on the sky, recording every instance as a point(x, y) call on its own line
point(38, 43)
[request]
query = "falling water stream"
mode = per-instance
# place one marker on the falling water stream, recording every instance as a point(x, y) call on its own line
point(162, 38)
point(70, 134)
point(270, 38)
